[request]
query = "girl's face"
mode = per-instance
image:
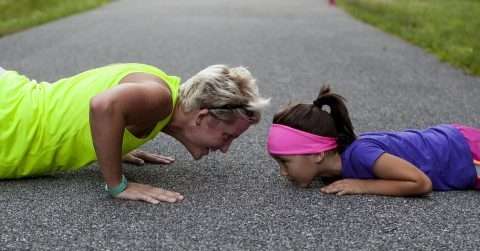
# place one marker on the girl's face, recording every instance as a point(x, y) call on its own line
point(300, 169)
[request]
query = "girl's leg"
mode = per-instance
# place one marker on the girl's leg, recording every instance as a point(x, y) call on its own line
point(477, 184)
point(473, 139)
point(1, 70)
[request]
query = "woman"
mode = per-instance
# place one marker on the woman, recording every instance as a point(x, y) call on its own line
point(105, 113)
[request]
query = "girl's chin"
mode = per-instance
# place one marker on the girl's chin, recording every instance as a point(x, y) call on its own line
point(301, 184)
point(304, 185)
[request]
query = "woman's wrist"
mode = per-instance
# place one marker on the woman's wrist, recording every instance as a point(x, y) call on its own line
point(115, 191)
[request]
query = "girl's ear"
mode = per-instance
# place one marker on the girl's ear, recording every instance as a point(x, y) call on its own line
point(319, 157)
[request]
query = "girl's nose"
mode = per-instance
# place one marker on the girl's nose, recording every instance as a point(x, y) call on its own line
point(283, 172)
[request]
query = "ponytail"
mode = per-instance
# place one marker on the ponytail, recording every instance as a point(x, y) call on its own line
point(339, 113)
point(313, 119)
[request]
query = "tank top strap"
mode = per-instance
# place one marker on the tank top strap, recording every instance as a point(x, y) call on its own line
point(131, 142)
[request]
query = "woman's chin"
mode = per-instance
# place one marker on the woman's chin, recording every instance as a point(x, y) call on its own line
point(197, 155)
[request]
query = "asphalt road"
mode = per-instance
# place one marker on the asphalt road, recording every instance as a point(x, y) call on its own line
point(239, 201)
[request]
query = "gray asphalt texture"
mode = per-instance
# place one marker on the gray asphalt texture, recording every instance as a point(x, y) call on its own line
point(238, 201)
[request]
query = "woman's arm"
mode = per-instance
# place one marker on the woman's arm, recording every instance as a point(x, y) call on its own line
point(396, 177)
point(110, 113)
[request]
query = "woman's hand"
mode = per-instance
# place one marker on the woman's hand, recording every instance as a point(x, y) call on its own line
point(345, 186)
point(150, 194)
point(139, 157)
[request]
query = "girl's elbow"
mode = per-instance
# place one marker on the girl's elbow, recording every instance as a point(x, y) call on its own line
point(425, 186)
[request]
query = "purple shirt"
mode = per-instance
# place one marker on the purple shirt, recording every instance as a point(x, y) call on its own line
point(441, 152)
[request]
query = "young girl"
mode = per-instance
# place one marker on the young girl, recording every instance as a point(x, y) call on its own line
point(308, 141)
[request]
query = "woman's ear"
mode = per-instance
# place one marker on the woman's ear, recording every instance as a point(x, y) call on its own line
point(200, 115)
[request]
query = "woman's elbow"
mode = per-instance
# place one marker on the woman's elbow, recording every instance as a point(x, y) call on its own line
point(99, 105)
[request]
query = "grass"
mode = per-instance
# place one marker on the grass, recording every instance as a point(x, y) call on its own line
point(16, 15)
point(449, 29)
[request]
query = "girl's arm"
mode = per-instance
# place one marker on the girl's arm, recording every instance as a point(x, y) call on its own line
point(110, 113)
point(396, 177)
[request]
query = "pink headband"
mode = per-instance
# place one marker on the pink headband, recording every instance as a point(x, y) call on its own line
point(284, 140)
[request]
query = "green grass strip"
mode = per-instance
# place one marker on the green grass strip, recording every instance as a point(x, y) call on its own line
point(16, 15)
point(449, 29)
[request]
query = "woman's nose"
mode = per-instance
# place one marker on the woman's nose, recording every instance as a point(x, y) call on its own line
point(225, 147)
point(283, 172)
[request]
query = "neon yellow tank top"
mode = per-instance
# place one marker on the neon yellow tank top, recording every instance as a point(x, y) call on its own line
point(44, 128)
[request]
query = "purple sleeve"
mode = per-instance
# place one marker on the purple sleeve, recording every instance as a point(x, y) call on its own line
point(363, 157)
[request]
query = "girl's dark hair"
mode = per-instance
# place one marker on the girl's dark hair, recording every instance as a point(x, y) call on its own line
point(313, 119)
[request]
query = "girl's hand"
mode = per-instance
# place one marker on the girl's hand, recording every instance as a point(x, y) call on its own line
point(345, 186)
point(150, 194)
point(139, 157)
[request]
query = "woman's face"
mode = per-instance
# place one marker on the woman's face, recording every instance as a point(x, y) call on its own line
point(211, 134)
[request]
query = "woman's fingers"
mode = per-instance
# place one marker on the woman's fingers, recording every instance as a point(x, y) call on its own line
point(156, 159)
point(149, 199)
point(130, 158)
point(152, 158)
point(165, 195)
point(168, 193)
point(150, 194)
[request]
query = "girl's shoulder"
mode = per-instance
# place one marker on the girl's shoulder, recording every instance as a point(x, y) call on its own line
point(364, 150)
point(359, 158)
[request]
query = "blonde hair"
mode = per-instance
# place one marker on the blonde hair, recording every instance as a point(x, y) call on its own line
point(227, 92)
